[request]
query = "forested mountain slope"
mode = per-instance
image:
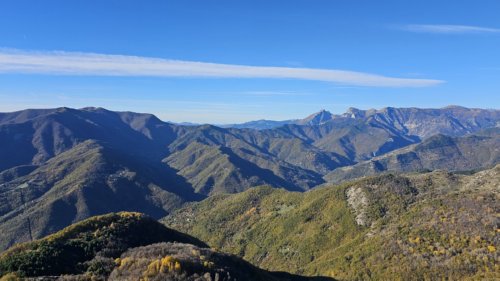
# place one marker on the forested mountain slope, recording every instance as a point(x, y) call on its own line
point(432, 225)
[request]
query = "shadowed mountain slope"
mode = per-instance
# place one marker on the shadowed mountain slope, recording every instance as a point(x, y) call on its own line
point(87, 180)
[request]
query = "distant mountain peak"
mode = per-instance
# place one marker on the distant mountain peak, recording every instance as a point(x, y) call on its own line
point(453, 106)
point(317, 118)
point(353, 112)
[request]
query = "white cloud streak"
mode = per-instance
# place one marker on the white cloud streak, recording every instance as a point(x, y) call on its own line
point(448, 29)
point(273, 93)
point(70, 63)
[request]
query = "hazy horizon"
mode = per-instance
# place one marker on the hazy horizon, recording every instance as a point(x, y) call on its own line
point(250, 120)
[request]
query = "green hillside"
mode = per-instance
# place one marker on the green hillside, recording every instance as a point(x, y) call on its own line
point(411, 227)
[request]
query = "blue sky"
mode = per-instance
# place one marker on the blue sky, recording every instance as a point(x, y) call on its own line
point(232, 61)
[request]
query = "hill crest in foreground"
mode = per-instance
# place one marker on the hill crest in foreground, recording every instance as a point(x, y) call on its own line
point(127, 246)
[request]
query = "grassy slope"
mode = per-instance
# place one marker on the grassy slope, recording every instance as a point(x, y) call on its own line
point(412, 227)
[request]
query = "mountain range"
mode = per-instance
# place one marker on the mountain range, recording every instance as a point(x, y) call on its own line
point(402, 115)
point(188, 163)
point(60, 166)
point(368, 174)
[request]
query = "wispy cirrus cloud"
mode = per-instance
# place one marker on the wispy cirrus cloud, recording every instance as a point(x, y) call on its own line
point(448, 28)
point(273, 93)
point(72, 63)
